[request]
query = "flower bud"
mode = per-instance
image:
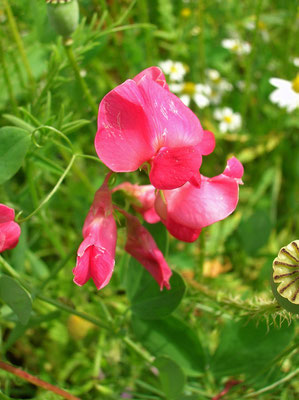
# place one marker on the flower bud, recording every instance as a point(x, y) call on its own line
point(63, 16)
point(285, 277)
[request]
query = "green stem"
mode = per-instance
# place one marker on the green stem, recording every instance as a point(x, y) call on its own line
point(17, 37)
point(201, 45)
point(73, 62)
point(274, 385)
point(8, 81)
point(144, 354)
point(53, 191)
point(251, 58)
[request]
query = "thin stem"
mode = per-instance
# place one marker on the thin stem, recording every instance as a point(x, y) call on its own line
point(17, 37)
point(36, 381)
point(70, 310)
point(7, 81)
point(274, 385)
point(73, 62)
point(53, 191)
point(144, 354)
point(248, 73)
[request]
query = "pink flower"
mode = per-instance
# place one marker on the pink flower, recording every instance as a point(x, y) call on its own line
point(186, 210)
point(142, 200)
point(141, 245)
point(141, 122)
point(95, 256)
point(9, 230)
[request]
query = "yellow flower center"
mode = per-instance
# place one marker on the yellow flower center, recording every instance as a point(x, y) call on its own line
point(261, 25)
point(236, 47)
point(228, 119)
point(189, 88)
point(295, 84)
point(173, 69)
point(186, 12)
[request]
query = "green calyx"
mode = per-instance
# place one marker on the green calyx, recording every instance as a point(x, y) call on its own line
point(63, 16)
point(285, 277)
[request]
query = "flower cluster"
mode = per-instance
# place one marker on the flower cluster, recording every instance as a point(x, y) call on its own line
point(141, 124)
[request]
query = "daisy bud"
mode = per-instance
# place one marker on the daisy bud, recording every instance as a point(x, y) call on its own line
point(63, 16)
point(285, 277)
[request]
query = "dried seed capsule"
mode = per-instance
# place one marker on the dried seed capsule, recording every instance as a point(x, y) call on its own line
point(285, 277)
point(63, 16)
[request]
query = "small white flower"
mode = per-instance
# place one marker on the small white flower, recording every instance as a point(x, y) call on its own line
point(229, 121)
point(174, 69)
point(218, 85)
point(296, 61)
point(189, 90)
point(236, 46)
point(286, 93)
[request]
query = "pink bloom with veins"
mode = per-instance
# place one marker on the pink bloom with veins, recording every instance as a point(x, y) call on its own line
point(142, 199)
point(186, 210)
point(140, 121)
point(96, 254)
point(141, 245)
point(9, 230)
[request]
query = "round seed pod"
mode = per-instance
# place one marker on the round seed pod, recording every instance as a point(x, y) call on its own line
point(63, 16)
point(285, 277)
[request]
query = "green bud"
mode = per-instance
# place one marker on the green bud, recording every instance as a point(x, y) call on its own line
point(285, 277)
point(63, 16)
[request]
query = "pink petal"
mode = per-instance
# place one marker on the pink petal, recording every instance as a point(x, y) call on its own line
point(124, 140)
point(207, 144)
point(172, 167)
point(181, 232)
point(196, 208)
point(153, 73)
point(234, 169)
point(172, 124)
point(9, 235)
point(141, 245)
point(6, 214)
point(82, 271)
point(101, 266)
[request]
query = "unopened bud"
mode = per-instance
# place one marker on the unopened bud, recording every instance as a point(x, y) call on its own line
point(285, 277)
point(63, 16)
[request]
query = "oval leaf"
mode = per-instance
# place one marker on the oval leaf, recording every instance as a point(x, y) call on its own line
point(173, 338)
point(171, 376)
point(16, 298)
point(147, 300)
point(14, 146)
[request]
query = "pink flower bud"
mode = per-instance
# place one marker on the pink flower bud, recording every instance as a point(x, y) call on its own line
point(9, 230)
point(95, 256)
point(141, 245)
point(142, 200)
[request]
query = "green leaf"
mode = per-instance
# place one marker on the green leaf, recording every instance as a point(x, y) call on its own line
point(246, 347)
point(14, 146)
point(255, 231)
point(147, 300)
point(173, 338)
point(16, 298)
point(171, 376)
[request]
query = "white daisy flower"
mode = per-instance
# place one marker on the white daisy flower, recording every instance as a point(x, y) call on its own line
point(229, 121)
point(189, 90)
point(218, 85)
point(174, 69)
point(286, 93)
point(236, 46)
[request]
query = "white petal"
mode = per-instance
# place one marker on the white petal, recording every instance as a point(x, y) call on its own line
point(280, 83)
point(223, 127)
point(185, 99)
point(201, 100)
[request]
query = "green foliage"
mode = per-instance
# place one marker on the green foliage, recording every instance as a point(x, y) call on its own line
point(14, 146)
point(147, 300)
point(219, 320)
point(16, 298)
